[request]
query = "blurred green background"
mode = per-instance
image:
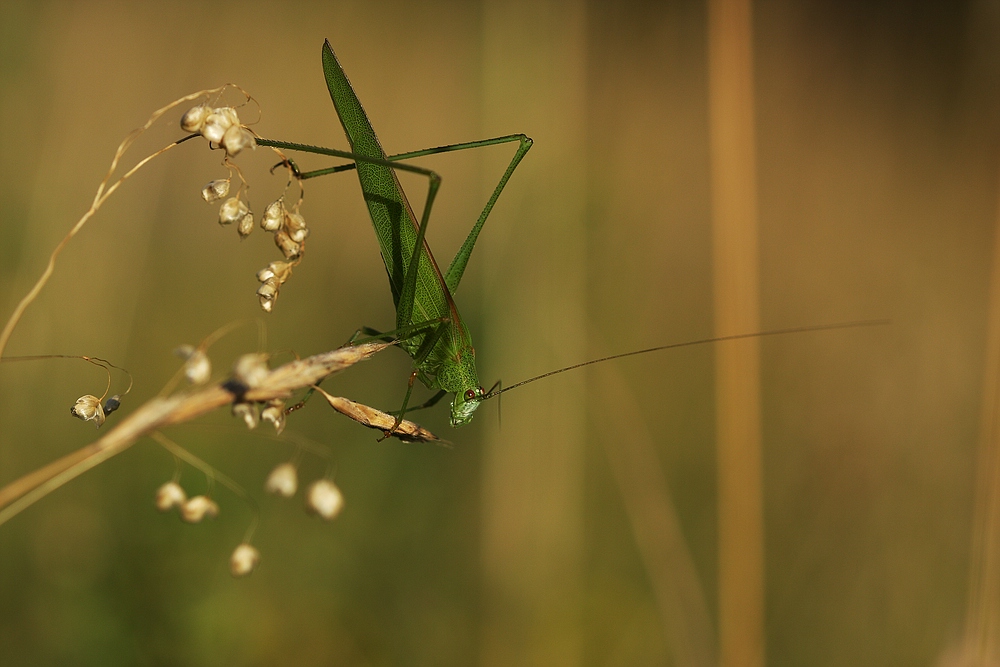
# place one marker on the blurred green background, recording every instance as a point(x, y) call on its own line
point(877, 173)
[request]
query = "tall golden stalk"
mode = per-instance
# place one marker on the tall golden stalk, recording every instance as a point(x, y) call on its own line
point(734, 209)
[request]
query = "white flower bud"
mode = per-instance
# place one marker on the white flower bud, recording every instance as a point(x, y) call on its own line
point(274, 412)
point(324, 499)
point(244, 560)
point(232, 209)
point(197, 368)
point(199, 507)
point(88, 408)
point(248, 412)
point(251, 370)
point(245, 226)
point(236, 139)
point(289, 248)
point(215, 190)
point(169, 496)
point(274, 216)
point(283, 481)
point(194, 118)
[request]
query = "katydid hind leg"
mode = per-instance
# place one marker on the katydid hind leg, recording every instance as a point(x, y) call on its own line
point(457, 267)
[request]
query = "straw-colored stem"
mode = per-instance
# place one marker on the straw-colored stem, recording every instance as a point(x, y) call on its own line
point(735, 268)
point(982, 620)
point(161, 412)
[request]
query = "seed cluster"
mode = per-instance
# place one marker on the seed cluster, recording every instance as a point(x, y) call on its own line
point(222, 126)
point(322, 497)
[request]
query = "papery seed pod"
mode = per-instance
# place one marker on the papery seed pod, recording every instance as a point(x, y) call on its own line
point(251, 370)
point(294, 221)
point(199, 507)
point(265, 274)
point(295, 226)
point(184, 351)
point(198, 367)
point(267, 302)
point(215, 126)
point(245, 226)
point(232, 209)
point(274, 412)
point(283, 481)
point(169, 496)
point(269, 289)
point(244, 560)
point(324, 499)
point(88, 408)
point(236, 139)
point(248, 413)
point(282, 271)
point(289, 248)
point(274, 216)
point(194, 118)
point(215, 190)
point(229, 113)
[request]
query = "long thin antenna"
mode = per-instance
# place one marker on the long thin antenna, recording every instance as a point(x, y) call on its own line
point(702, 341)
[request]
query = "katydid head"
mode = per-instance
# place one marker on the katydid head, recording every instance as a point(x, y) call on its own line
point(464, 405)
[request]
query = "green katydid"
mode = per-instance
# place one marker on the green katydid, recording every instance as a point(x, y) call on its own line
point(428, 325)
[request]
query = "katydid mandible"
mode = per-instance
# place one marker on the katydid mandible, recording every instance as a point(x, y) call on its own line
point(428, 325)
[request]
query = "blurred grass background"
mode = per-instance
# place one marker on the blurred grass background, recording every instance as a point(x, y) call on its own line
point(877, 174)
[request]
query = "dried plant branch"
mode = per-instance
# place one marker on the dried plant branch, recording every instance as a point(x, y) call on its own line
point(164, 411)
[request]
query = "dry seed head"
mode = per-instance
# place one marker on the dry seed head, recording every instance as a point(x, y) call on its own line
point(194, 118)
point(274, 412)
point(88, 408)
point(251, 369)
point(283, 481)
point(229, 113)
point(169, 496)
point(288, 247)
point(269, 290)
point(236, 139)
point(278, 271)
point(244, 560)
point(199, 507)
point(184, 351)
point(232, 209)
point(295, 226)
point(197, 368)
point(266, 295)
point(248, 412)
point(324, 499)
point(245, 226)
point(274, 216)
point(217, 123)
point(215, 190)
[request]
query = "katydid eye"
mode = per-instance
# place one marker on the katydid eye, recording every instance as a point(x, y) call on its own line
point(470, 394)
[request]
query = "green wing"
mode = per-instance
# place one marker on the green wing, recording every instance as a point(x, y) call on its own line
point(395, 225)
